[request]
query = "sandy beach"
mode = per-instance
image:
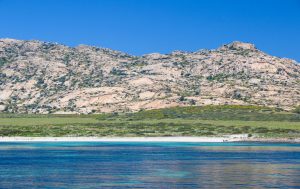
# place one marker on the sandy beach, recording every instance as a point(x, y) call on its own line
point(230, 138)
point(114, 139)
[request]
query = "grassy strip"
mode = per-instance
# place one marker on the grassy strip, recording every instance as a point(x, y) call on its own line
point(31, 121)
point(187, 121)
point(152, 128)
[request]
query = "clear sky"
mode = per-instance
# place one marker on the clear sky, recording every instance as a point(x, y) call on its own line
point(144, 26)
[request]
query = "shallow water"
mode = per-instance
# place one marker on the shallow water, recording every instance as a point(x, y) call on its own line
point(149, 165)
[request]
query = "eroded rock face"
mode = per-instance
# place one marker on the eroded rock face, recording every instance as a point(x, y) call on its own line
point(241, 46)
point(39, 77)
point(238, 46)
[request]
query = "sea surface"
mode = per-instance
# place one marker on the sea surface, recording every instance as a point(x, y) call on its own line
point(148, 165)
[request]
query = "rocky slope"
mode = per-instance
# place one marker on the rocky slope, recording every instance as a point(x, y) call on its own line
point(40, 77)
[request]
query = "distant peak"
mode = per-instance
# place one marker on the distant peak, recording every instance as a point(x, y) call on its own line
point(237, 45)
point(9, 40)
point(155, 56)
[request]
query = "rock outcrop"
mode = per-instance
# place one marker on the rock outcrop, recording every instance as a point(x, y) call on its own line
point(40, 77)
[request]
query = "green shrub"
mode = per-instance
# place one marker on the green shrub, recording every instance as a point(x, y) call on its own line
point(297, 110)
point(2, 61)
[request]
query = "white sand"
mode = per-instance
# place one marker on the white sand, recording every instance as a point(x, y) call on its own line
point(119, 139)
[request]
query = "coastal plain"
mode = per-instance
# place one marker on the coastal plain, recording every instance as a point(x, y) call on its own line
point(207, 121)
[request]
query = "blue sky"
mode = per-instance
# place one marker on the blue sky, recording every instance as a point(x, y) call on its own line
point(144, 26)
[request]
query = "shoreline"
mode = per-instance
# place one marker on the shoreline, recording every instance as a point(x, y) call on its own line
point(147, 139)
point(112, 139)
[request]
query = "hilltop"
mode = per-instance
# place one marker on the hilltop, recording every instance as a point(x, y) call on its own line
point(41, 77)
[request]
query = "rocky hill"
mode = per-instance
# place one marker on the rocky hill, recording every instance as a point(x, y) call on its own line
point(40, 77)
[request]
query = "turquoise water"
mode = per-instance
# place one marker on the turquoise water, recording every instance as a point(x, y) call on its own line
point(149, 165)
